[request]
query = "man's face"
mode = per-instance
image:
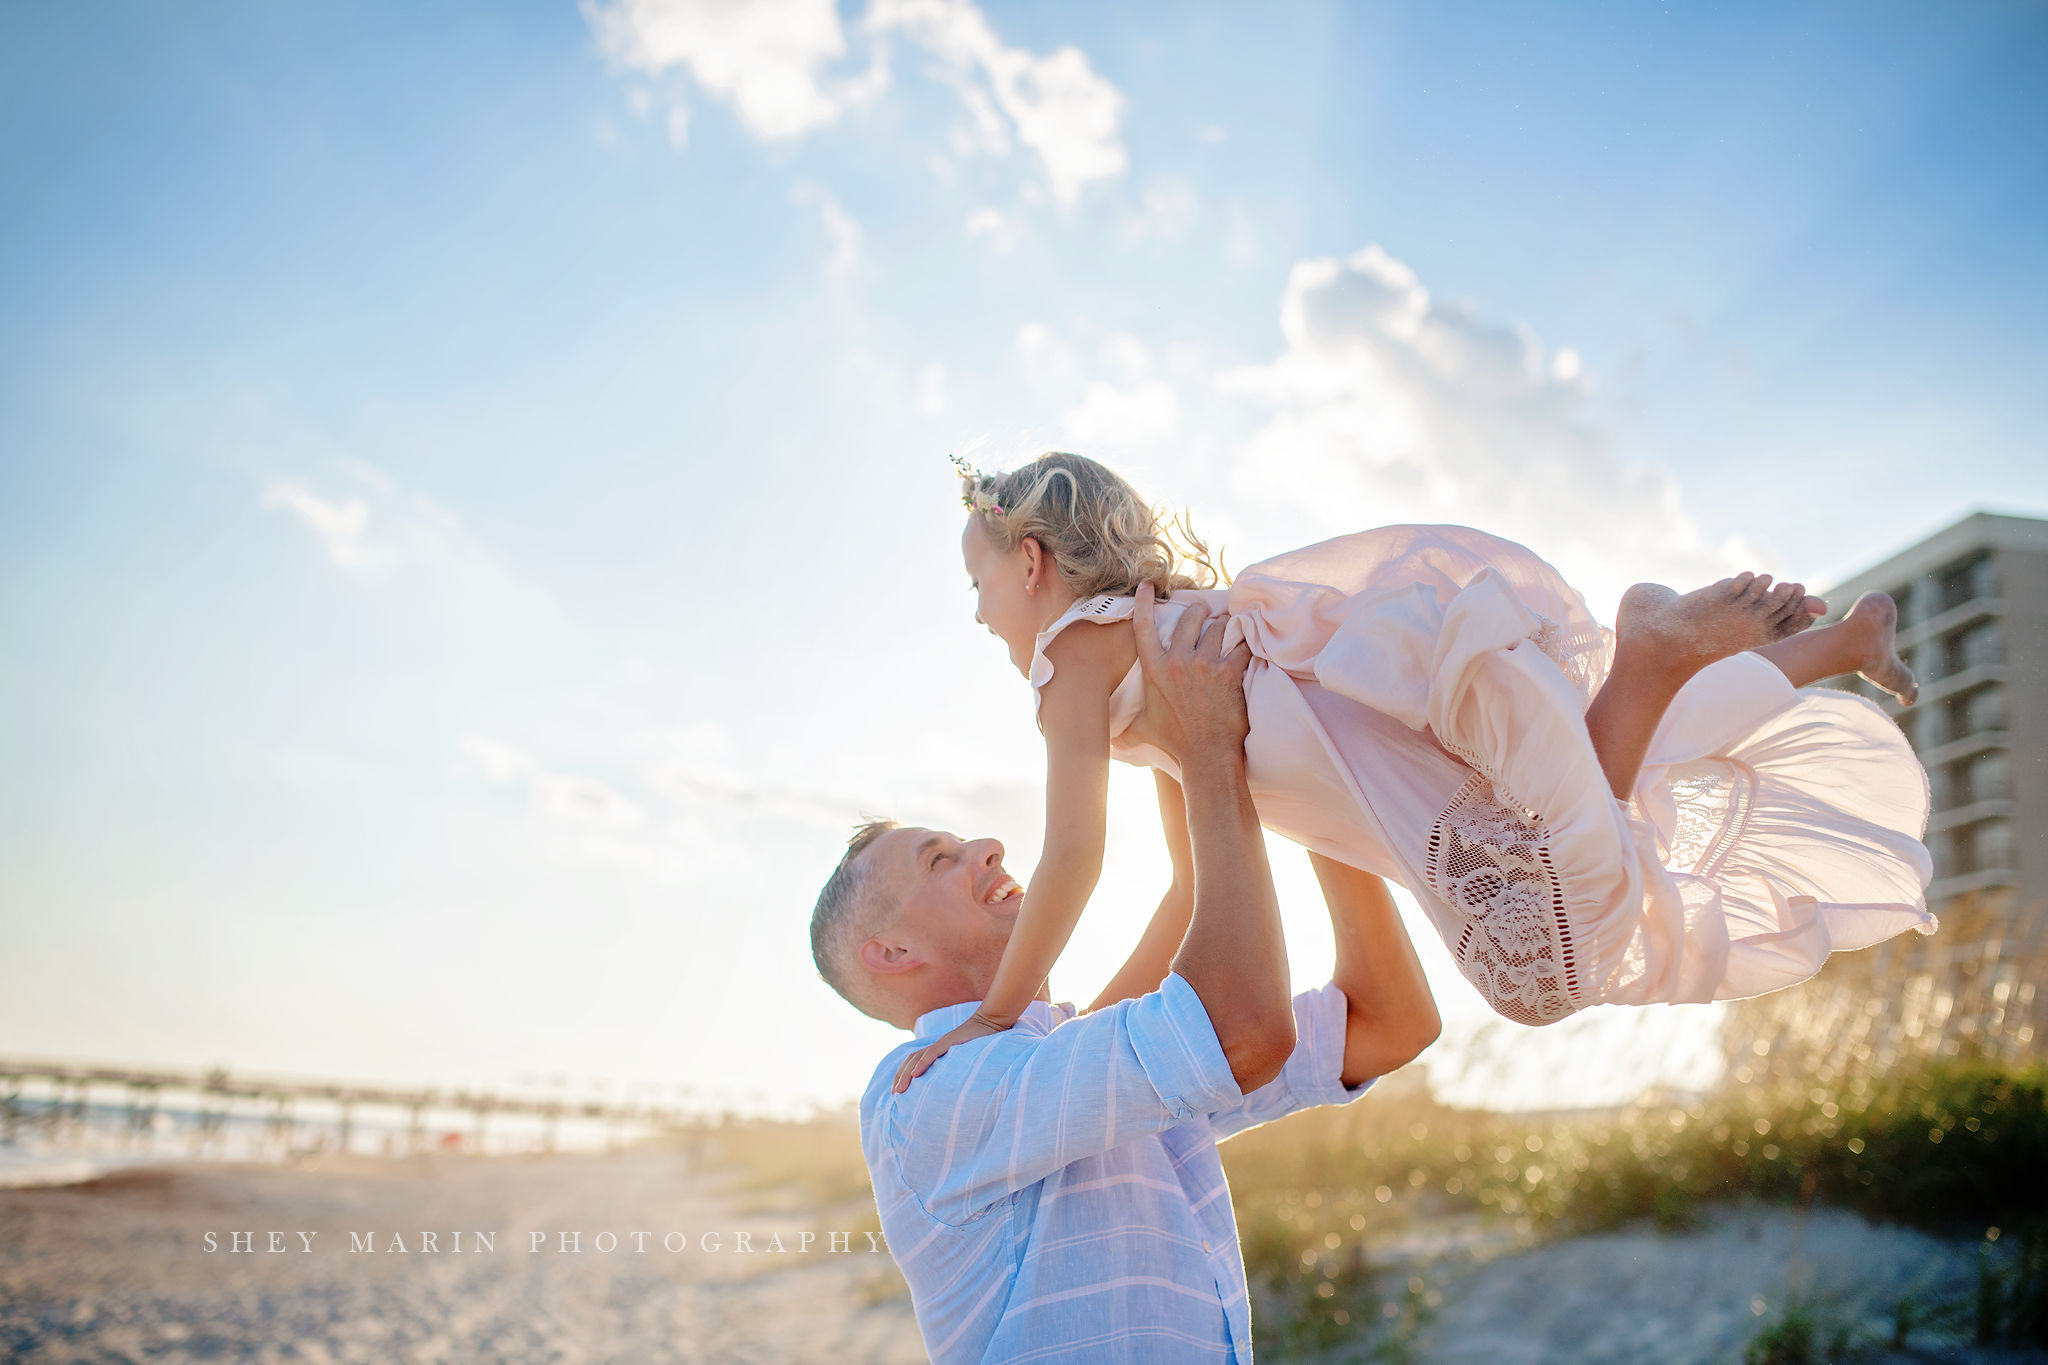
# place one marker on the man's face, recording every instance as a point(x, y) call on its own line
point(958, 907)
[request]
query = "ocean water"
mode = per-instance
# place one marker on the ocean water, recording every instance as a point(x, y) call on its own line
point(48, 1141)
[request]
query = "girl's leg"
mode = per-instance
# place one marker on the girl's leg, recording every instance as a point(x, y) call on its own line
point(1863, 642)
point(1662, 639)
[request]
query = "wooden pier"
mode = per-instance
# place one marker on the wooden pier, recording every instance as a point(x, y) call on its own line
point(216, 1095)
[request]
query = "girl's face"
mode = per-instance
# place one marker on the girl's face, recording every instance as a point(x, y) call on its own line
point(1017, 593)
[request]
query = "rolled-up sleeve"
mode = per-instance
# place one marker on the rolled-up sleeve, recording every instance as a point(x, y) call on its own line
point(1001, 1113)
point(1314, 1071)
point(1176, 1044)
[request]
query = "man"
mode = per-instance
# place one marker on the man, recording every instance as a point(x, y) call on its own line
point(1053, 1193)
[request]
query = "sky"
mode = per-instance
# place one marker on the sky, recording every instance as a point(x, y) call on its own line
point(475, 528)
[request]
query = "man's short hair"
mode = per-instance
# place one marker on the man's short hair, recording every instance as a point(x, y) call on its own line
point(847, 915)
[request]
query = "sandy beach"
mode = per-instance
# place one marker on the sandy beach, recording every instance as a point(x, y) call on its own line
point(142, 1264)
point(119, 1268)
point(1697, 1297)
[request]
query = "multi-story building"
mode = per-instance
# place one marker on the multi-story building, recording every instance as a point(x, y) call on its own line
point(1973, 623)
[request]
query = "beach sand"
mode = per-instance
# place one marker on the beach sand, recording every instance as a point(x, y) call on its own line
point(117, 1268)
point(1697, 1297)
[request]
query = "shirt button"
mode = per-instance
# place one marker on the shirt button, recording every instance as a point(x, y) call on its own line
point(1205, 1245)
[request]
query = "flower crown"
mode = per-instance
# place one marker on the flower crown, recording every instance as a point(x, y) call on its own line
point(980, 494)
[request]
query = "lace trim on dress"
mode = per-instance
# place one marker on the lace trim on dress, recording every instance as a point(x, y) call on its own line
point(1491, 863)
point(1713, 799)
point(1471, 758)
point(1581, 653)
point(1095, 606)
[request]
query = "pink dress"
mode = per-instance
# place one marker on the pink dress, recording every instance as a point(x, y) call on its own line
point(1418, 699)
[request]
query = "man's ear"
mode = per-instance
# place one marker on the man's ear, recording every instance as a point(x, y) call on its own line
point(888, 959)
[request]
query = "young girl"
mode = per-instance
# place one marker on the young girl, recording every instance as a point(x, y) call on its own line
point(1652, 815)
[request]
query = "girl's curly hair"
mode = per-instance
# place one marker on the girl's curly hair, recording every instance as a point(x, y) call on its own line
point(1103, 537)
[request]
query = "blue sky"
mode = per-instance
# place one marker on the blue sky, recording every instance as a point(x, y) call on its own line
point(473, 517)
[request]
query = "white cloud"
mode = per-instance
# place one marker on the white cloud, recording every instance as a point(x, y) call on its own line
point(1389, 406)
point(369, 536)
point(567, 797)
point(342, 526)
point(768, 60)
point(498, 761)
point(765, 58)
point(1170, 208)
point(1126, 357)
point(1241, 241)
point(1002, 230)
point(931, 390)
point(1057, 105)
point(1128, 408)
point(1047, 360)
point(843, 259)
point(1110, 418)
point(584, 801)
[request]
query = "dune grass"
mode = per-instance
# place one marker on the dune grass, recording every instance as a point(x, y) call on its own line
point(1957, 1149)
point(1960, 1148)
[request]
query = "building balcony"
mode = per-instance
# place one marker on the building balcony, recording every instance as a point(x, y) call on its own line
point(1943, 688)
point(1948, 888)
point(1968, 815)
point(1940, 624)
point(1967, 747)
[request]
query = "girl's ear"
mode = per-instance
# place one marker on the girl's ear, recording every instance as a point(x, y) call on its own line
point(1035, 564)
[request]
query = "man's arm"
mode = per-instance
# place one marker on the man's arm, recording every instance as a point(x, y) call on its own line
point(1234, 955)
point(1374, 1016)
point(1390, 1015)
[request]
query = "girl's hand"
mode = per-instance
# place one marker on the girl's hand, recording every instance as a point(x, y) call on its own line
point(918, 1062)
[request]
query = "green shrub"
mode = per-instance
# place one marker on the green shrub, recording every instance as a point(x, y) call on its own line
point(1947, 1148)
point(1788, 1341)
point(1950, 1148)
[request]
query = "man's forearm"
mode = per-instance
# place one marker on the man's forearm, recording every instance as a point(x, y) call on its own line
point(1234, 954)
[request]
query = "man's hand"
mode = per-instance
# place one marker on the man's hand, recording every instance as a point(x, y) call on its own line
point(1194, 691)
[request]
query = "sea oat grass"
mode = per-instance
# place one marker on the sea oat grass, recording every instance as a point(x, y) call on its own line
point(1956, 1148)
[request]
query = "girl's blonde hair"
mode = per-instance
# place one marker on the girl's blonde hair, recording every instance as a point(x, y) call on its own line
point(1103, 537)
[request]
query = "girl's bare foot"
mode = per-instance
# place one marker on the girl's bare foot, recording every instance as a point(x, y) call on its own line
point(1685, 634)
point(1875, 621)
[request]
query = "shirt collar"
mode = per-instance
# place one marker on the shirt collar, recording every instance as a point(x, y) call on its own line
point(1038, 1016)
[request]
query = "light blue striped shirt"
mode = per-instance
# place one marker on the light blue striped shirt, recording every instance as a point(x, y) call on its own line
point(1053, 1193)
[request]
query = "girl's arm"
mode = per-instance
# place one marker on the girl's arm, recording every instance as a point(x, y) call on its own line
point(1073, 711)
point(1153, 957)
